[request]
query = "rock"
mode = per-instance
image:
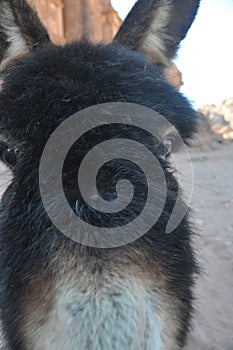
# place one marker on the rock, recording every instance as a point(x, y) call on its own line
point(67, 20)
point(220, 118)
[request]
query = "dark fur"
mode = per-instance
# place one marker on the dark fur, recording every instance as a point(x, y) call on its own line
point(23, 17)
point(132, 31)
point(30, 26)
point(39, 92)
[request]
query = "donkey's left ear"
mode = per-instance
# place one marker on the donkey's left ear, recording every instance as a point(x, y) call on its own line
point(20, 31)
point(156, 28)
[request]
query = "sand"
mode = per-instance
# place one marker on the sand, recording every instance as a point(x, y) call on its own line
point(213, 211)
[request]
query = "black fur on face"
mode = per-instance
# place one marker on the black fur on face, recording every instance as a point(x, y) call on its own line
point(66, 80)
point(38, 93)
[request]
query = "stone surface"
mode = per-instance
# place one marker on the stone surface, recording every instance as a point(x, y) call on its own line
point(67, 20)
point(220, 117)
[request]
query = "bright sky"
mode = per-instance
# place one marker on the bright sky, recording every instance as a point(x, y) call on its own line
point(206, 55)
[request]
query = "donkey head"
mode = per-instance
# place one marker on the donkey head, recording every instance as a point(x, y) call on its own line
point(44, 84)
point(38, 77)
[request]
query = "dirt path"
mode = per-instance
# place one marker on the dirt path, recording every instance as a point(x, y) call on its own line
point(213, 212)
point(213, 205)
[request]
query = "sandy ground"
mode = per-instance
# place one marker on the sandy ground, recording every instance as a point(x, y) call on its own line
point(213, 213)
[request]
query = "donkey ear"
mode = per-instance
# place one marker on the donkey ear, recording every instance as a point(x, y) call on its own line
point(20, 31)
point(156, 27)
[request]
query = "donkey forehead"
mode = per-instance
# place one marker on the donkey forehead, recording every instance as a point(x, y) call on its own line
point(70, 59)
point(95, 66)
point(43, 89)
point(58, 81)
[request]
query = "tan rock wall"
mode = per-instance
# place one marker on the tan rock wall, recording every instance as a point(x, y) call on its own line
point(67, 20)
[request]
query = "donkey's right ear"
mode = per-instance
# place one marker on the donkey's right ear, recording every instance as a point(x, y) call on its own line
point(20, 31)
point(156, 28)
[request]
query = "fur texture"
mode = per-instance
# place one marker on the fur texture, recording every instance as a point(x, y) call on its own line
point(57, 294)
point(156, 27)
point(20, 31)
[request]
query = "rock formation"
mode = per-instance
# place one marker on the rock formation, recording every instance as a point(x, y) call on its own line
point(220, 117)
point(67, 20)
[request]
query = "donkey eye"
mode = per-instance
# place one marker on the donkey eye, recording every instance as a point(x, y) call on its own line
point(9, 157)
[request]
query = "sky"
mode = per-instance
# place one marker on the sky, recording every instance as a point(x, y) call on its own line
point(205, 57)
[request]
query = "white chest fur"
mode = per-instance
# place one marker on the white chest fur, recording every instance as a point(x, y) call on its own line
point(109, 314)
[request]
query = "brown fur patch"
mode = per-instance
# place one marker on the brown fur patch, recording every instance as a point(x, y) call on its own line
point(173, 76)
point(10, 63)
point(38, 301)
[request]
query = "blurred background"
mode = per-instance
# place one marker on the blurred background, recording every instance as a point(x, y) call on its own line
point(205, 60)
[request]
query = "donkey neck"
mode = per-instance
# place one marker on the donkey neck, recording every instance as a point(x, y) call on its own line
point(114, 307)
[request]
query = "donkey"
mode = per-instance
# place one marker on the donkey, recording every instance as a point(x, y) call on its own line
point(57, 293)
